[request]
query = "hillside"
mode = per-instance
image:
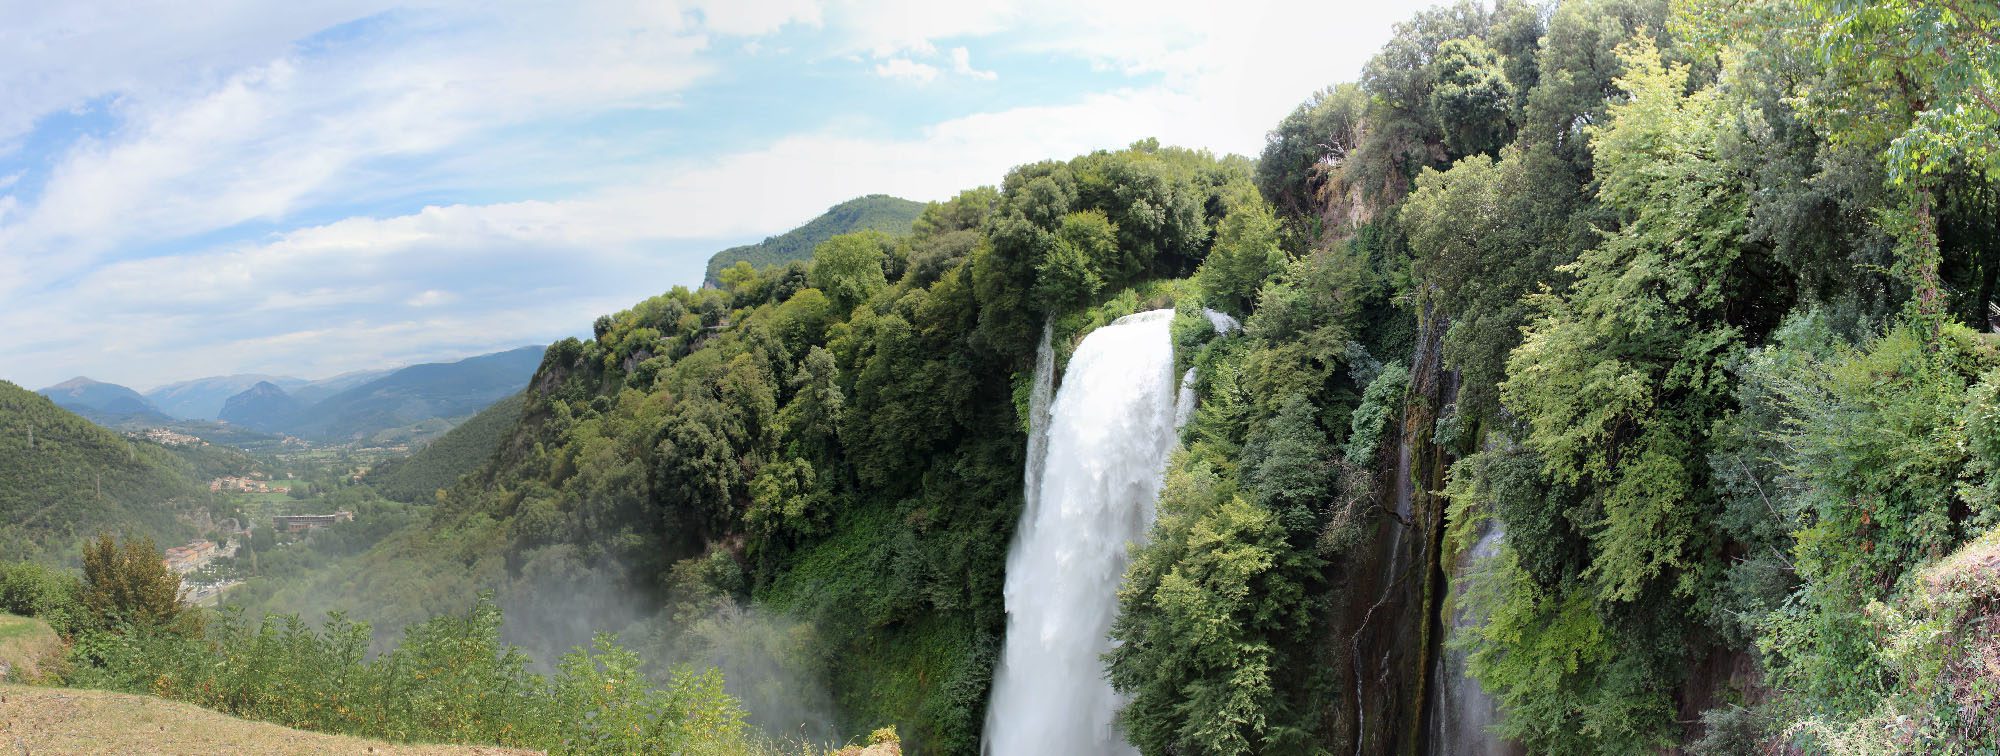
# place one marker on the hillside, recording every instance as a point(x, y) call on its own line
point(106, 403)
point(440, 463)
point(63, 478)
point(202, 398)
point(876, 212)
point(66, 720)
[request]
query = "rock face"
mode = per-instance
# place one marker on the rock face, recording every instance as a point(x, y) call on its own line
point(264, 406)
point(1387, 636)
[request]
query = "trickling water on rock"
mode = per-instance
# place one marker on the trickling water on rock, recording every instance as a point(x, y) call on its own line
point(1094, 472)
point(1462, 712)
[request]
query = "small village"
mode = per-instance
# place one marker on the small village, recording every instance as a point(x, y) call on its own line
point(249, 484)
point(165, 437)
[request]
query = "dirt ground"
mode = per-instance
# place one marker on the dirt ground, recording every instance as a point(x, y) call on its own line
point(38, 720)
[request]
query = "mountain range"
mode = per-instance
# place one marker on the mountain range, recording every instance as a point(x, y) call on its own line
point(401, 398)
point(356, 405)
point(202, 398)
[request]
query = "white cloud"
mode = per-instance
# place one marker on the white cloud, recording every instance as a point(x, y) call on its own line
point(233, 124)
point(260, 143)
point(961, 64)
point(906, 70)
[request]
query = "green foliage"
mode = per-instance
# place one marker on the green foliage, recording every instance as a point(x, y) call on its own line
point(849, 267)
point(28, 589)
point(64, 479)
point(128, 586)
point(1246, 254)
point(437, 465)
point(1206, 607)
point(1618, 378)
point(1471, 98)
point(1302, 155)
point(874, 212)
point(1372, 418)
point(451, 680)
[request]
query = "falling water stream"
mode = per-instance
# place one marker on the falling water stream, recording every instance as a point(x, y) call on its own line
point(1096, 458)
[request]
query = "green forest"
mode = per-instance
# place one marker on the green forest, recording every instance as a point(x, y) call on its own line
point(1690, 302)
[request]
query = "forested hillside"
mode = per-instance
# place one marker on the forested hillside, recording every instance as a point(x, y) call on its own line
point(64, 479)
point(440, 463)
point(1680, 309)
point(875, 212)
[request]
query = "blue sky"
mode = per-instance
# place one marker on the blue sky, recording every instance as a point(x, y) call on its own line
point(311, 187)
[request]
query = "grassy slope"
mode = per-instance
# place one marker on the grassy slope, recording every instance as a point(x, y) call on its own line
point(879, 212)
point(27, 647)
point(65, 720)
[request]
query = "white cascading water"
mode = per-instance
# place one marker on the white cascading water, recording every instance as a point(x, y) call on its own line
point(1094, 471)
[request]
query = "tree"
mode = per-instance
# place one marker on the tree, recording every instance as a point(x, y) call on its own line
point(1922, 76)
point(1072, 271)
point(1245, 255)
point(1471, 98)
point(129, 585)
point(848, 267)
point(1307, 148)
point(1204, 611)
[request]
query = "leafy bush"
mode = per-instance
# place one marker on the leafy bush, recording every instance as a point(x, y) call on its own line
point(451, 680)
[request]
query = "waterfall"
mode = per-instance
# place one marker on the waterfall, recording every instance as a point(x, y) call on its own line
point(1184, 401)
point(1462, 712)
point(1094, 471)
point(1221, 321)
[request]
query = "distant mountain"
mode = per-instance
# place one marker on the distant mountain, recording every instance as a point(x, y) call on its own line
point(879, 212)
point(417, 393)
point(264, 407)
point(103, 402)
point(202, 398)
point(314, 391)
point(416, 402)
point(63, 478)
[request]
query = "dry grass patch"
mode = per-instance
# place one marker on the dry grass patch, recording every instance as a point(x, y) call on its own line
point(65, 720)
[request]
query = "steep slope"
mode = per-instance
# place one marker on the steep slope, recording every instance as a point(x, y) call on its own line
point(441, 462)
point(875, 212)
point(63, 478)
point(417, 393)
point(202, 398)
point(263, 407)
